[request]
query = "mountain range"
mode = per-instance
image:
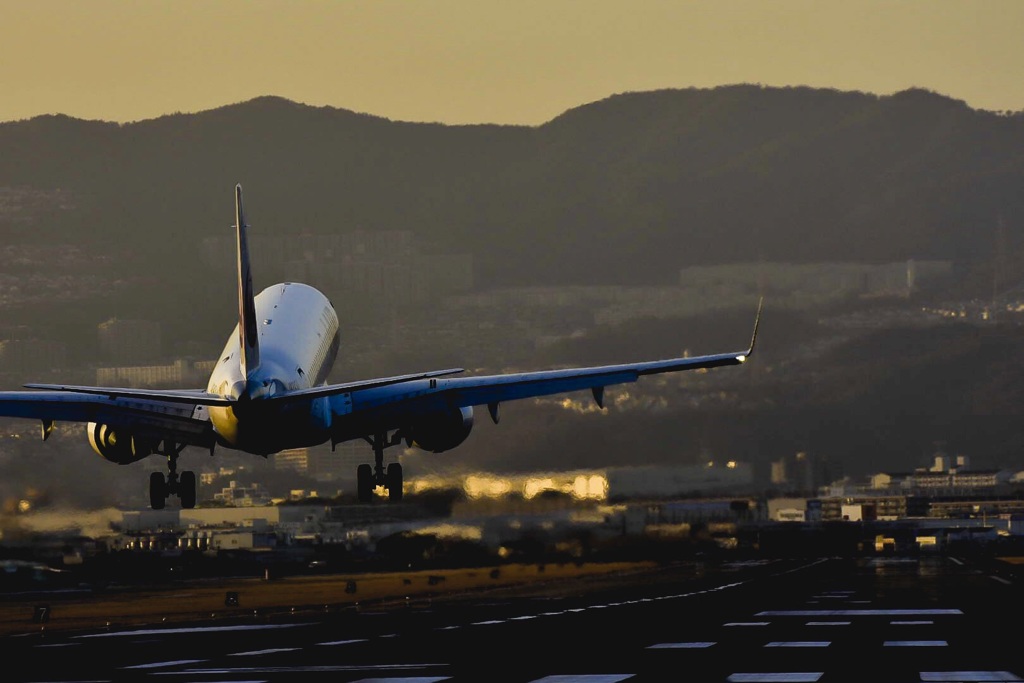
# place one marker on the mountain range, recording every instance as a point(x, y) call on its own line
point(625, 190)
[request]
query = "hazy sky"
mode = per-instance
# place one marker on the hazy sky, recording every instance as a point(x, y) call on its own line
point(488, 61)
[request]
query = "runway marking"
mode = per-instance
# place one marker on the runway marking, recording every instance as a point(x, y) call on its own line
point(414, 679)
point(915, 643)
point(59, 645)
point(828, 623)
point(331, 668)
point(912, 622)
point(160, 665)
point(746, 623)
point(792, 677)
point(971, 676)
point(584, 678)
point(681, 646)
point(268, 651)
point(205, 629)
point(857, 612)
point(798, 643)
point(1001, 580)
point(344, 642)
point(488, 623)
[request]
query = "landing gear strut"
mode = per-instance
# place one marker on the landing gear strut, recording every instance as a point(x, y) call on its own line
point(184, 487)
point(368, 478)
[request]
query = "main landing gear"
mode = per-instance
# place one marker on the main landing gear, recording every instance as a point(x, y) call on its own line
point(368, 478)
point(184, 487)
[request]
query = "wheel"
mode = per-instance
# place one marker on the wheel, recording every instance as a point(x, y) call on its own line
point(187, 490)
point(364, 483)
point(157, 491)
point(394, 482)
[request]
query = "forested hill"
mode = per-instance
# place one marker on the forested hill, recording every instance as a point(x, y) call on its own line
point(625, 190)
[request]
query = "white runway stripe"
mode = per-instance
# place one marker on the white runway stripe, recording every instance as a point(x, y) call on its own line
point(857, 612)
point(680, 646)
point(912, 622)
point(798, 643)
point(585, 678)
point(160, 665)
point(263, 652)
point(967, 676)
point(791, 677)
point(205, 629)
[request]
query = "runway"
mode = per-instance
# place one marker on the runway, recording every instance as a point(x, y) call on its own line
point(879, 619)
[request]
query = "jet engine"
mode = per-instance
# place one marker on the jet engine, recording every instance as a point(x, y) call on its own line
point(439, 432)
point(118, 447)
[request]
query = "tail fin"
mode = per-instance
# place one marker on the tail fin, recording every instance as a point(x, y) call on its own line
point(248, 338)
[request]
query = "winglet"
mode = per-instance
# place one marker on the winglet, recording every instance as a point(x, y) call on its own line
point(757, 321)
point(248, 336)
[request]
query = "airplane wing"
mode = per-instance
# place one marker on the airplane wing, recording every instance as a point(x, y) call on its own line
point(468, 391)
point(200, 397)
point(190, 396)
point(493, 389)
point(157, 420)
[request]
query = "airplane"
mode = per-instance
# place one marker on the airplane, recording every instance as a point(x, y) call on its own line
point(268, 392)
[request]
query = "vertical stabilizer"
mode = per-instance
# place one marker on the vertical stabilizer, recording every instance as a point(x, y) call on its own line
point(248, 338)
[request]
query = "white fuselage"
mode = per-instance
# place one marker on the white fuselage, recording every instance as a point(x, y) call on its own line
point(297, 331)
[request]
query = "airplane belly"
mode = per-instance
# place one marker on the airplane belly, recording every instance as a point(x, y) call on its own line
point(225, 424)
point(265, 428)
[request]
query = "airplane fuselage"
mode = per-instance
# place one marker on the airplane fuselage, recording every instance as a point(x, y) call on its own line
point(298, 336)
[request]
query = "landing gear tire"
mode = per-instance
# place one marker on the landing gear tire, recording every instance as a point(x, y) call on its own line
point(394, 482)
point(157, 490)
point(364, 483)
point(187, 490)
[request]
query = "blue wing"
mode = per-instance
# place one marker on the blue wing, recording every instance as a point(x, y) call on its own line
point(430, 404)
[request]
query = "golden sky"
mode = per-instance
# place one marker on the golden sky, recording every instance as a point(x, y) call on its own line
point(488, 61)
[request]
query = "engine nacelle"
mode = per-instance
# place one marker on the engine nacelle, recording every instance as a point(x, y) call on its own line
point(118, 447)
point(439, 432)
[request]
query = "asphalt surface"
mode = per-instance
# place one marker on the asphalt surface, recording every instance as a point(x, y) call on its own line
point(882, 619)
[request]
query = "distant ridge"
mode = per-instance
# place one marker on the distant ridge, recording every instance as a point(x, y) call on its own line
point(624, 190)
